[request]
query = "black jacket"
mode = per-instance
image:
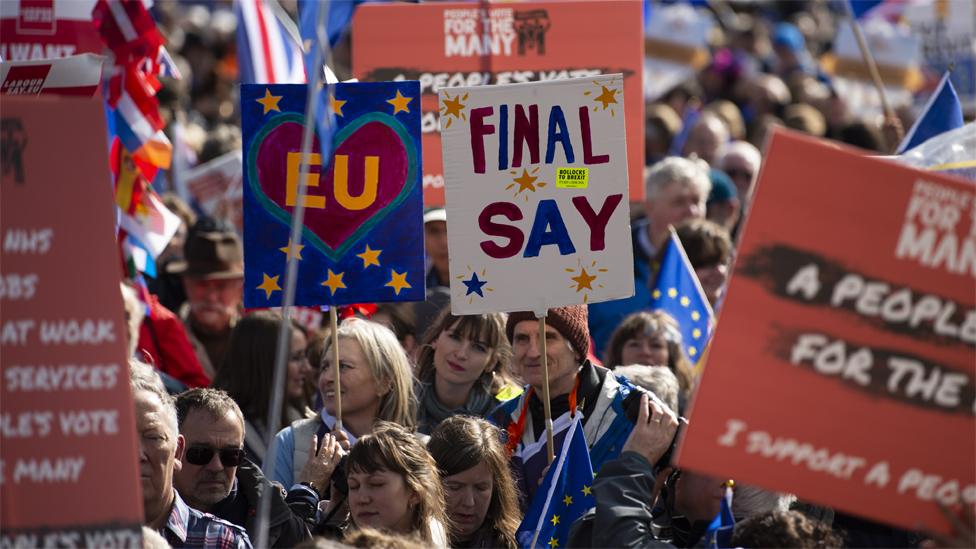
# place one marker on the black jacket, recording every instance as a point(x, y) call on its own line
point(287, 524)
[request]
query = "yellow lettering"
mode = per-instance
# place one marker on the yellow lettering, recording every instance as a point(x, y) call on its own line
point(341, 179)
point(294, 162)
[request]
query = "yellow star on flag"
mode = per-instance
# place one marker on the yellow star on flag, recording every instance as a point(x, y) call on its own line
point(553, 543)
point(293, 250)
point(334, 281)
point(398, 281)
point(608, 97)
point(696, 333)
point(269, 285)
point(695, 315)
point(586, 490)
point(583, 280)
point(370, 257)
point(400, 102)
point(336, 104)
point(692, 351)
point(554, 520)
point(568, 500)
point(684, 301)
point(672, 293)
point(269, 102)
point(656, 294)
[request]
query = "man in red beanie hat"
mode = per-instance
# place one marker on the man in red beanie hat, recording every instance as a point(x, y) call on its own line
point(575, 385)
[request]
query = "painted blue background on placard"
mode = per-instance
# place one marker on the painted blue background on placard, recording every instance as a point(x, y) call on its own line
point(398, 233)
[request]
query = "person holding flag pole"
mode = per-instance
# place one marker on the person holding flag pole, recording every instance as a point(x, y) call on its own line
point(550, 353)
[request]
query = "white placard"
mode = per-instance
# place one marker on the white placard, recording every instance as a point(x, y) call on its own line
point(536, 192)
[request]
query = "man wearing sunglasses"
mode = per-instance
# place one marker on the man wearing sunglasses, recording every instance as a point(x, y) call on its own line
point(161, 455)
point(216, 477)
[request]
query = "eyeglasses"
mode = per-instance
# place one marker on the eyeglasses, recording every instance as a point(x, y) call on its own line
point(201, 455)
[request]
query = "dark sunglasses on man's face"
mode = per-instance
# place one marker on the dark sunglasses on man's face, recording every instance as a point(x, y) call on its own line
point(201, 455)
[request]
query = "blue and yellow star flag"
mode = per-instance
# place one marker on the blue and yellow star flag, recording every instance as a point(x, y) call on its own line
point(942, 113)
point(563, 497)
point(678, 293)
point(719, 532)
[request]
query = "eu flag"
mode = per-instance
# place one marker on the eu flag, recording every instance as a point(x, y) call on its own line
point(678, 293)
point(563, 497)
point(942, 113)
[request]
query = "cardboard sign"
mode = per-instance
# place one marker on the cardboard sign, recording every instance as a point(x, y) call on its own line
point(842, 367)
point(31, 30)
point(947, 31)
point(216, 188)
point(67, 433)
point(446, 45)
point(76, 75)
point(537, 194)
point(362, 239)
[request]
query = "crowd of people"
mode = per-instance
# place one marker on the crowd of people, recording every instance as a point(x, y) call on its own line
point(436, 408)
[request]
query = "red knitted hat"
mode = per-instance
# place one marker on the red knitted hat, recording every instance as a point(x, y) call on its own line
point(570, 322)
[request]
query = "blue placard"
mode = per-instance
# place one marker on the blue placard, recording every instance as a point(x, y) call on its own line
point(362, 239)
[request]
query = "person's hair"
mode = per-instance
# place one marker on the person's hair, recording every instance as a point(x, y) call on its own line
point(247, 372)
point(705, 242)
point(488, 328)
point(143, 377)
point(392, 448)
point(389, 365)
point(402, 319)
point(370, 538)
point(805, 118)
point(656, 379)
point(751, 500)
point(649, 323)
point(215, 402)
point(462, 442)
point(731, 115)
point(742, 149)
point(784, 529)
point(675, 169)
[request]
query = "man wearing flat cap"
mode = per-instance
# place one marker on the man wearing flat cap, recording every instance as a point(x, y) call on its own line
point(575, 385)
point(213, 276)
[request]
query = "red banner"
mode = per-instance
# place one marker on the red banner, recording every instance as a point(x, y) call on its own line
point(842, 367)
point(68, 460)
point(31, 30)
point(464, 44)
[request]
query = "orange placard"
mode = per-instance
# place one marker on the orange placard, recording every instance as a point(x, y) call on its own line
point(464, 44)
point(68, 461)
point(843, 362)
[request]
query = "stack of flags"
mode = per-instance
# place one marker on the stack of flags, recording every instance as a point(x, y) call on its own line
point(139, 148)
point(267, 52)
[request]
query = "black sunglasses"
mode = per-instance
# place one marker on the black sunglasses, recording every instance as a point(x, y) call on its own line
point(201, 455)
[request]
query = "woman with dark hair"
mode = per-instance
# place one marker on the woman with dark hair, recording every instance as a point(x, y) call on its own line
point(478, 487)
point(651, 339)
point(462, 366)
point(247, 375)
point(394, 486)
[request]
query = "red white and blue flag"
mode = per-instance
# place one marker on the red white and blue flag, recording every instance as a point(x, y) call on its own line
point(266, 52)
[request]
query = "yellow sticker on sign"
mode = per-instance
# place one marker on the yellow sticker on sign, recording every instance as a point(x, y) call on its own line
point(572, 178)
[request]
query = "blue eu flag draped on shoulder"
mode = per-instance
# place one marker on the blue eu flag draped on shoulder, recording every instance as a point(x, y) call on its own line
point(678, 293)
point(564, 496)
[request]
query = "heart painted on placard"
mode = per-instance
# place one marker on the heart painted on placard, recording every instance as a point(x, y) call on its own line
point(375, 145)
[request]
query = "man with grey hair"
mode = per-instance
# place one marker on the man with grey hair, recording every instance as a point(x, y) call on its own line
point(657, 379)
point(676, 190)
point(217, 478)
point(161, 451)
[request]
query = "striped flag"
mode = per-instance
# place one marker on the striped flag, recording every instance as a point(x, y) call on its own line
point(267, 53)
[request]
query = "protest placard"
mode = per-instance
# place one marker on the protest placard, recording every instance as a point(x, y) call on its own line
point(362, 239)
point(537, 200)
point(461, 44)
point(67, 433)
point(842, 365)
point(216, 188)
point(947, 31)
point(31, 30)
point(76, 75)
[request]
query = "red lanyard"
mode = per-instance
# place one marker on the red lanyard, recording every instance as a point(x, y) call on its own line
point(517, 428)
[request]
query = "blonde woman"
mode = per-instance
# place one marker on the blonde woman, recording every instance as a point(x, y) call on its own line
point(376, 385)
